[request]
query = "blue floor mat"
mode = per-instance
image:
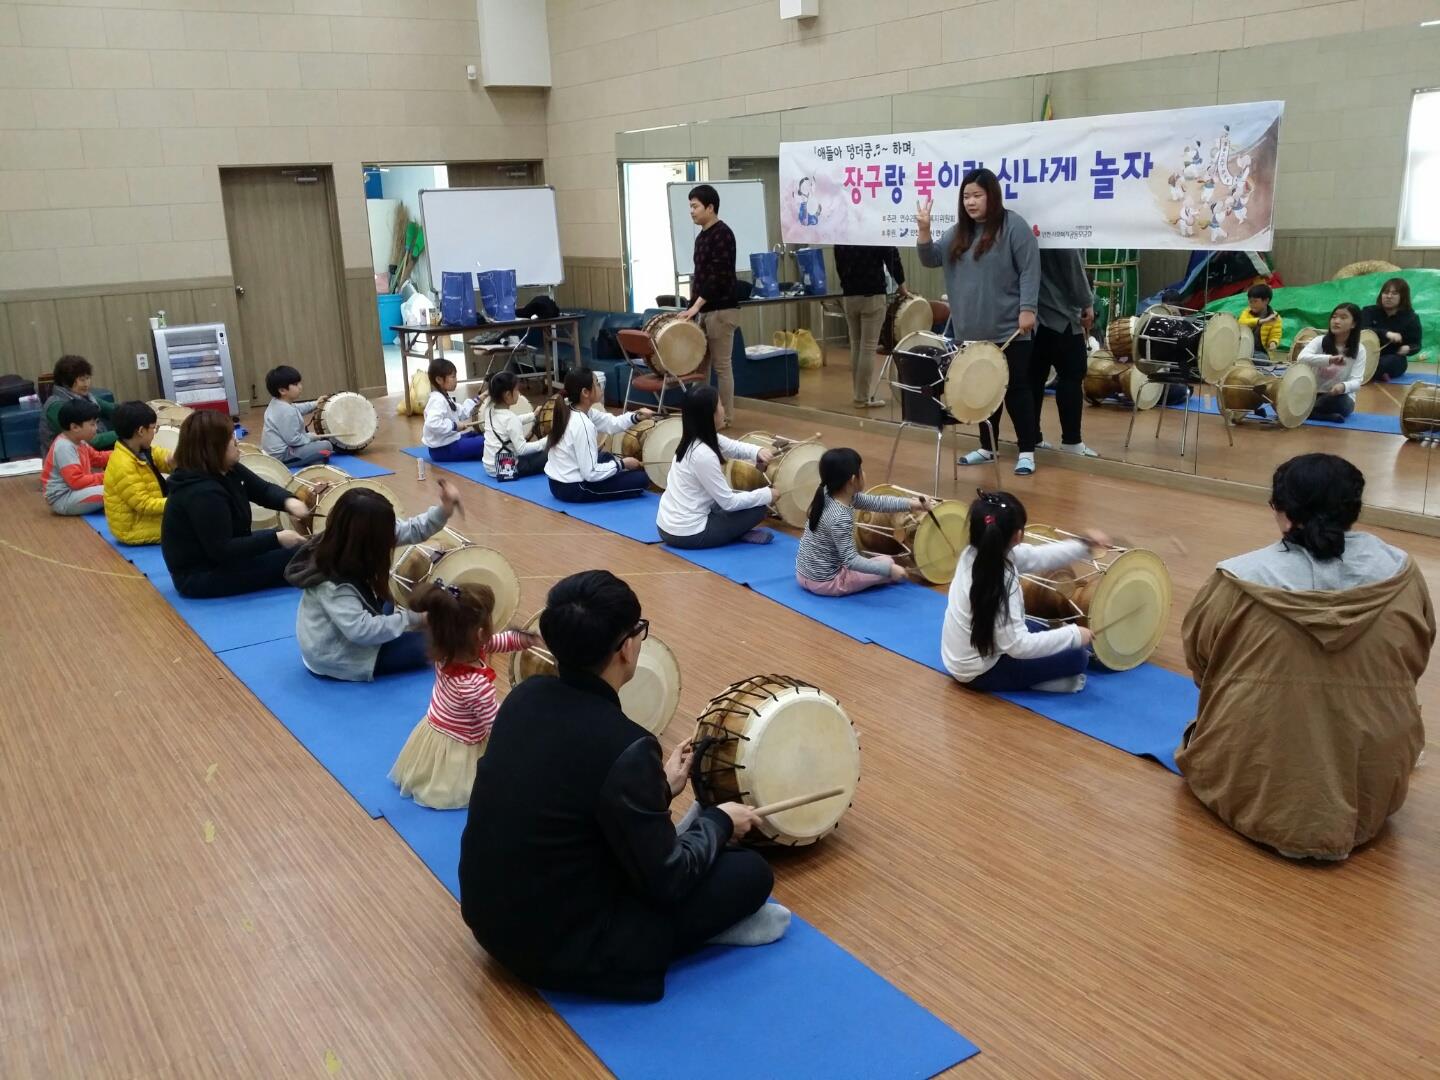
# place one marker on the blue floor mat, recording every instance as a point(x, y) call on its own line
point(224, 624)
point(355, 730)
point(633, 517)
point(356, 466)
point(743, 563)
point(1378, 423)
point(803, 1007)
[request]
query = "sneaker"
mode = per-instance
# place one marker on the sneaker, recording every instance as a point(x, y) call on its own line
point(1078, 448)
point(1025, 465)
point(976, 457)
point(871, 403)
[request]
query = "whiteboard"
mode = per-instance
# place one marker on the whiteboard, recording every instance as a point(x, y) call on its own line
point(504, 228)
point(742, 207)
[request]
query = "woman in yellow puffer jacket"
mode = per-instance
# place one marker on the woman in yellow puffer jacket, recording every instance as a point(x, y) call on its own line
point(134, 486)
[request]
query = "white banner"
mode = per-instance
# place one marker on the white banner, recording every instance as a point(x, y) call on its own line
point(1181, 178)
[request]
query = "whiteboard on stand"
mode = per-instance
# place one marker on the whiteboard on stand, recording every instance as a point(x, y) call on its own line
point(506, 228)
point(742, 207)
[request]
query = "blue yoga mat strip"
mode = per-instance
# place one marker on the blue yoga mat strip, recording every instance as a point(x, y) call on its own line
point(1377, 423)
point(223, 624)
point(803, 1007)
point(631, 517)
point(356, 466)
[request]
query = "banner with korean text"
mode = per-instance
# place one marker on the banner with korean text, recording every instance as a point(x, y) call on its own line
point(1178, 178)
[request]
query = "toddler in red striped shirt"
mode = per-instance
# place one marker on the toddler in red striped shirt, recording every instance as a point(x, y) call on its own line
point(437, 765)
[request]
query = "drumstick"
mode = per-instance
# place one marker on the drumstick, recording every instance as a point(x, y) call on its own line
point(1117, 619)
point(1011, 338)
point(798, 800)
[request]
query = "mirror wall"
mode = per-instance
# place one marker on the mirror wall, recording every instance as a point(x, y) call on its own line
point(1342, 155)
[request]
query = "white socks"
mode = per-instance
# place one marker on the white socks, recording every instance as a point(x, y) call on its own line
point(1071, 685)
point(765, 926)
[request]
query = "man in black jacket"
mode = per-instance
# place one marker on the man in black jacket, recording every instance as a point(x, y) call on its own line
point(571, 872)
point(713, 286)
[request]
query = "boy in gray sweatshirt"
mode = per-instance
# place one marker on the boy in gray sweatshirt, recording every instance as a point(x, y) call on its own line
point(284, 435)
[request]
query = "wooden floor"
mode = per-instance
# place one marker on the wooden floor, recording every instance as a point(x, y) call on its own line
point(1401, 475)
point(185, 892)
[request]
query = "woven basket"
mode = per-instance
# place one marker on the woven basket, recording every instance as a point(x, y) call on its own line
point(1365, 266)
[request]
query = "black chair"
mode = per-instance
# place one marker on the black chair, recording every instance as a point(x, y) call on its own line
point(919, 385)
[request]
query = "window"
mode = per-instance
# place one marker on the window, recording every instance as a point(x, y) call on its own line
point(1419, 207)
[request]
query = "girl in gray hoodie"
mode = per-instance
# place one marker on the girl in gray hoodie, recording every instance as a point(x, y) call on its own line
point(348, 626)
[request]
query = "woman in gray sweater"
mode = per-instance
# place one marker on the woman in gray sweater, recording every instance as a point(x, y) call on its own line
point(992, 276)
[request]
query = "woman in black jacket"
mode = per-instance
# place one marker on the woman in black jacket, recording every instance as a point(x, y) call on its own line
point(1392, 317)
point(205, 534)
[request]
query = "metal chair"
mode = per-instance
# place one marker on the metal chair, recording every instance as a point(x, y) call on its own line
point(637, 348)
point(919, 385)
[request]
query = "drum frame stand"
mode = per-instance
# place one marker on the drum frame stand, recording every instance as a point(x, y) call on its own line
point(939, 429)
point(1175, 377)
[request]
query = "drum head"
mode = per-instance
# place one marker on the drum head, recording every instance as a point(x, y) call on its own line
point(796, 476)
point(1142, 391)
point(326, 502)
point(1295, 396)
point(529, 662)
point(310, 475)
point(976, 382)
point(912, 316)
point(348, 420)
point(1119, 337)
point(657, 453)
point(939, 542)
point(1420, 411)
point(167, 438)
point(172, 414)
point(680, 345)
point(1303, 337)
point(1129, 609)
point(924, 342)
point(1371, 341)
point(1219, 346)
point(161, 403)
point(800, 742)
point(247, 448)
point(266, 468)
point(1246, 350)
point(651, 697)
point(481, 566)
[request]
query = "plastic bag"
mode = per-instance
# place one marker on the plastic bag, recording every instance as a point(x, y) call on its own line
point(812, 270)
point(497, 294)
point(415, 311)
point(419, 394)
point(803, 343)
point(457, 299)
point(765, 268)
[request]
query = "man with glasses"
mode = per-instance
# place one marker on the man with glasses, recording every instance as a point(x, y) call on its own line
point(572, 874)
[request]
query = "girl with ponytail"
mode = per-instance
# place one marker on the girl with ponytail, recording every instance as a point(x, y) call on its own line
point(1338, 358)
point(828, 564)
point(1307, 653)
point(506, 430)
point(578, 470)
point(987, 643)
point(442, 434)
point(437, 765)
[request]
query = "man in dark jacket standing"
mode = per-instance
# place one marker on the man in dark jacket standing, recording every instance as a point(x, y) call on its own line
point(572, 874)
point(713, 287)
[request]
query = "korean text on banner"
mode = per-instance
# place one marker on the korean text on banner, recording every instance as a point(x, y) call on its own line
point(1178, 178)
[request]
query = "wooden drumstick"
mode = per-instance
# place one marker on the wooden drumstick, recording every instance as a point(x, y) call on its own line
point(798, 800)
point(1011, 338)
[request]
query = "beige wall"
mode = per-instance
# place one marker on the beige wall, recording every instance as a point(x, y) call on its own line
point(114, 121)
point(630, 64)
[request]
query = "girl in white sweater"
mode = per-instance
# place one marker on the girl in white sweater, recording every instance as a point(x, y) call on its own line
point(577, 469)
point(699, 508)
point(505, 431)
point(441, 434)
point(987, 643)
point(1339, 362)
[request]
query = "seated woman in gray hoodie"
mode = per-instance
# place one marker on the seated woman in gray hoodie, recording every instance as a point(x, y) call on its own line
point(347, 625)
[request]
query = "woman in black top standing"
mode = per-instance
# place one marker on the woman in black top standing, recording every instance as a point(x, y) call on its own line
point(1392, 317)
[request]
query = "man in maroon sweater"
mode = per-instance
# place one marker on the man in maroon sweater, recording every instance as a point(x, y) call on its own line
point(712, 286)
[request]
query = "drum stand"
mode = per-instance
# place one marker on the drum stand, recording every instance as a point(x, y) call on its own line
point(1171, 377)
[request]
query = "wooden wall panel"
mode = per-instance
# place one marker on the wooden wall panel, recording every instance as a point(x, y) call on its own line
point(34, 336)
point(127, 332)
point(364, 318)
point(83, 332)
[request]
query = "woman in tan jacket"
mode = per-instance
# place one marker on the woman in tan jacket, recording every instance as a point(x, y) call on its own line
point(1307, 653)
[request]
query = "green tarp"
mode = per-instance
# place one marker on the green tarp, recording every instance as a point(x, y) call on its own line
point(1310, 305)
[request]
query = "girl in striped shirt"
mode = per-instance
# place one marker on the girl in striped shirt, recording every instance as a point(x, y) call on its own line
point(828, 564)
point(437, 765)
